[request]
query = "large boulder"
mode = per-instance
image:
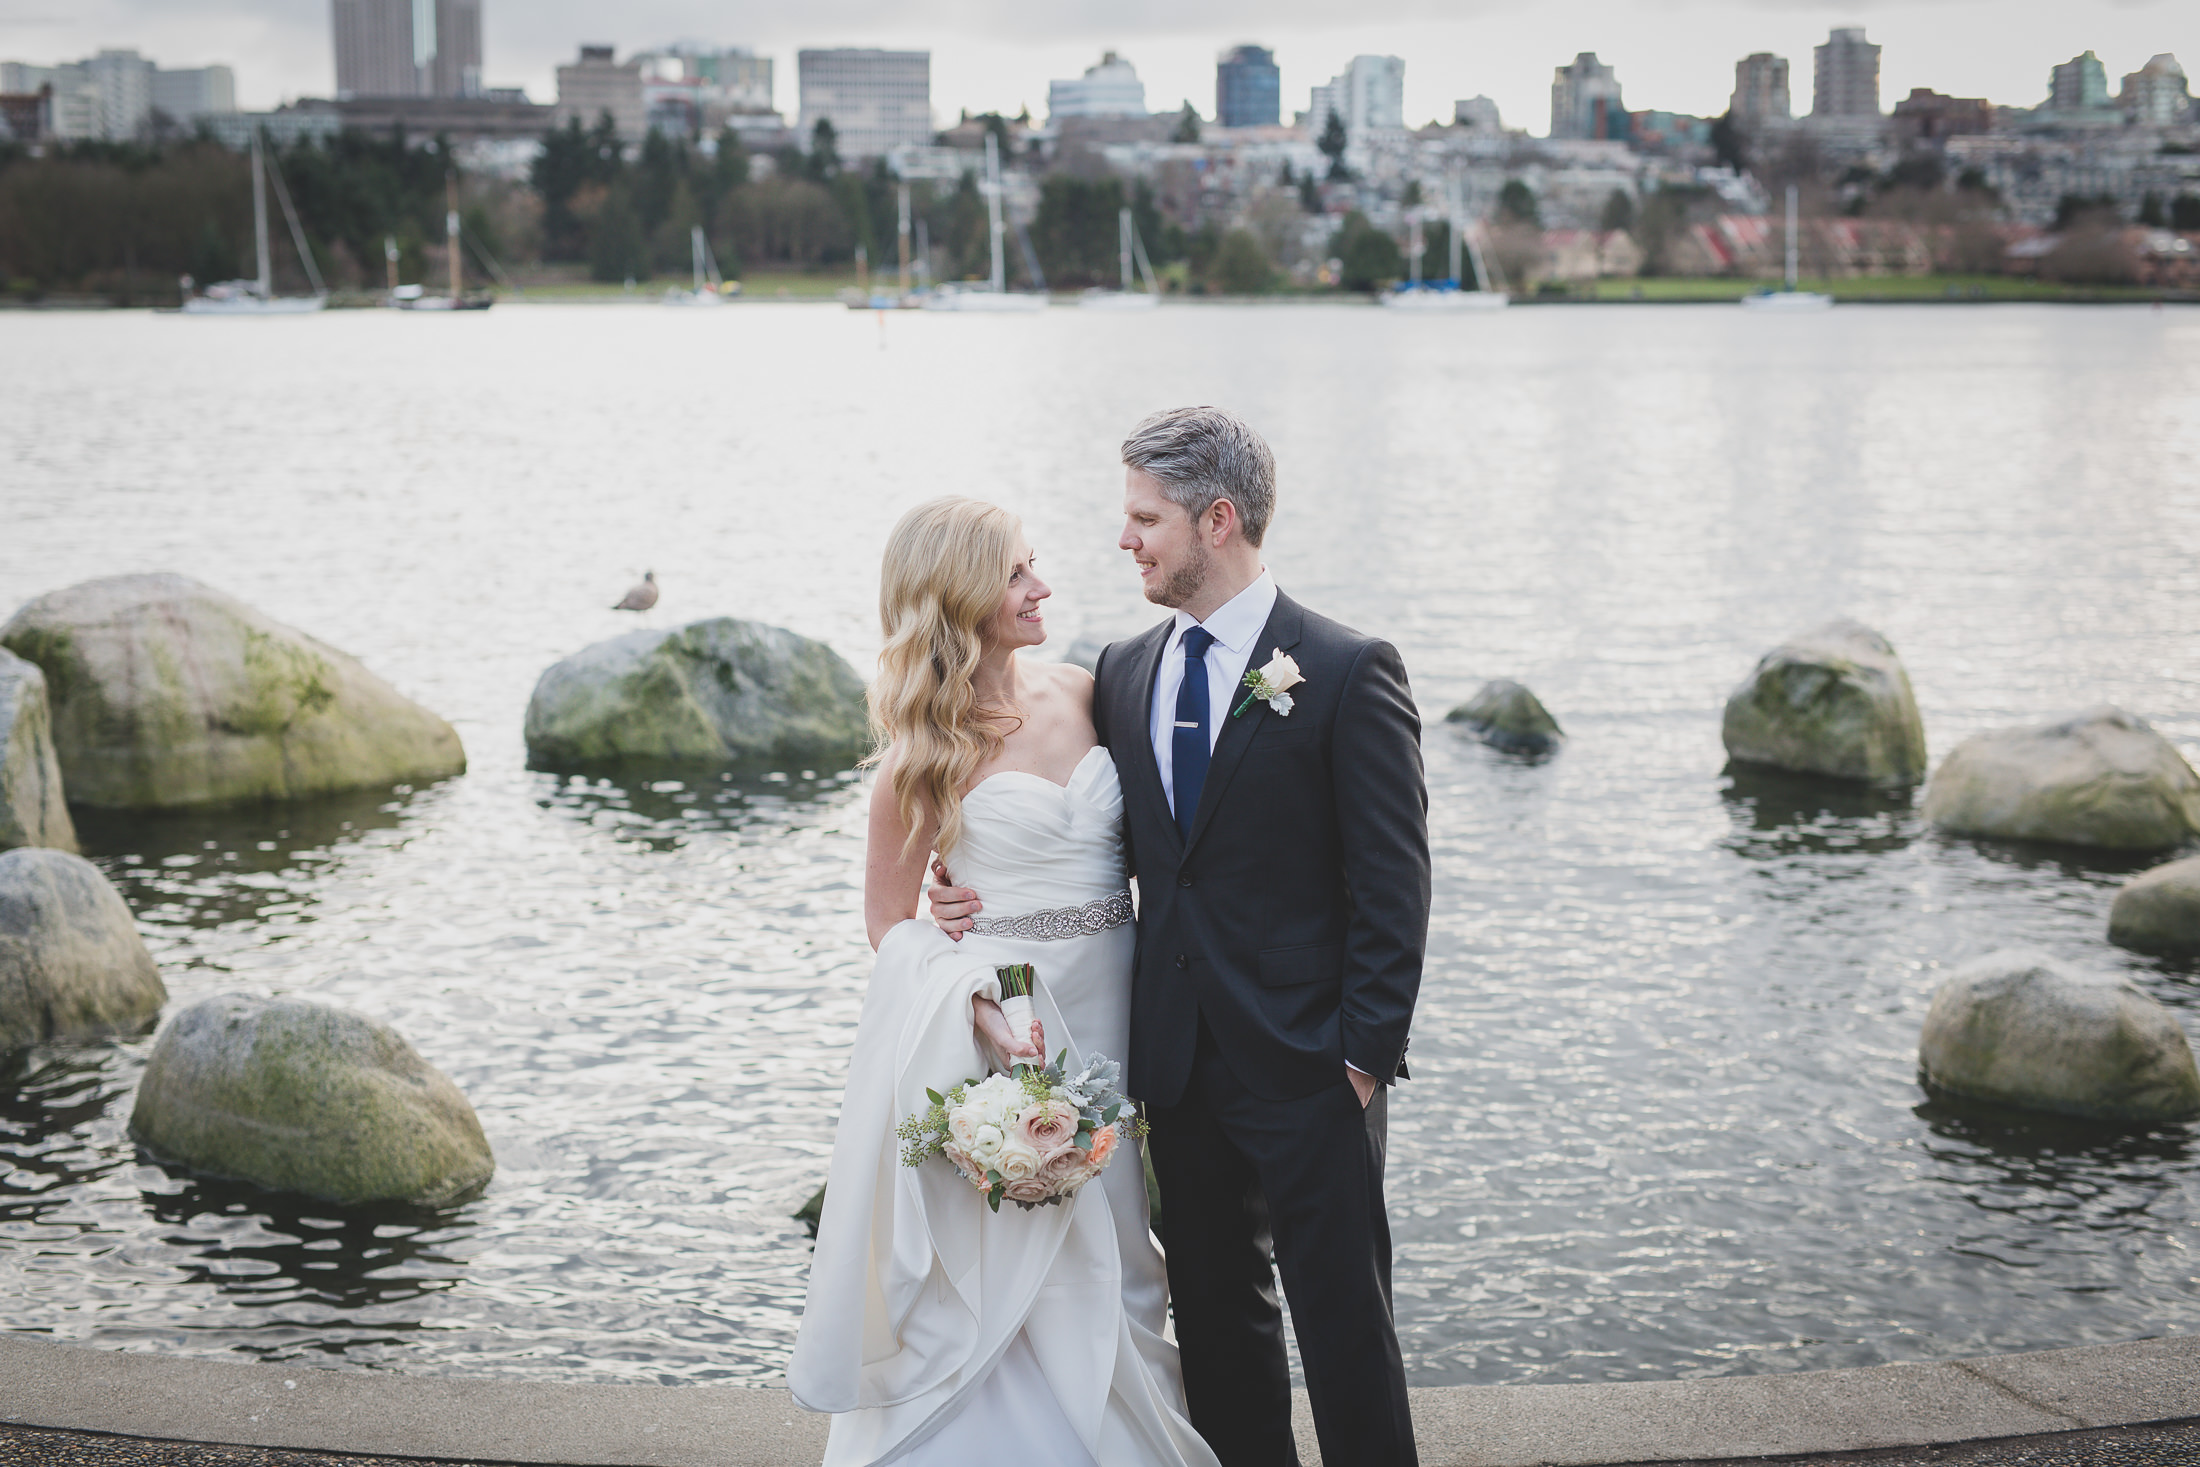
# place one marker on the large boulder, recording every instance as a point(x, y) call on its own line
point(1835, 702)
point(2159, 910)
point(2100, 778)
point(720, 691)
point(167, 693)
point(72, 965)
point(305, 1097)
point(1505, 715)
point(2018, 1028)
point(32, 812)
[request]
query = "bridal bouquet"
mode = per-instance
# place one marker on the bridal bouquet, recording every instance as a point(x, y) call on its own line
point(1034, 1135)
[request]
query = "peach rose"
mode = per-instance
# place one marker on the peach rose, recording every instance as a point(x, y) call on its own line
point(1063, 1164)
point(1047, 1125)
point(1030, 1189)
point(1103, 1146)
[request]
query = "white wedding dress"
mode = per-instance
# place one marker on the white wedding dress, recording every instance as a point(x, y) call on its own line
point(936, 1330)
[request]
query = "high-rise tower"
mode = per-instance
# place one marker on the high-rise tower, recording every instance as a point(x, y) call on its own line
point(1845, 80)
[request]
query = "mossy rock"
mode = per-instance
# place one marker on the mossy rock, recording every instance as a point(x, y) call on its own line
point(2159, 910)
point(721, 691)
point(1505, 715)
point(32, 810)
point(2101, 778)
point(72, 965)
point(2018, 1028)
point(167, 693)
point(1834, 702)
point(300, 1096)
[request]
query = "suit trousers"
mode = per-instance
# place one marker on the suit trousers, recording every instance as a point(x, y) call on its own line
point(1243, 1179)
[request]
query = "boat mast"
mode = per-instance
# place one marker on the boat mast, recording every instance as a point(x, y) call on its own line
point(450, 230)
point(1791, 239)
point(1123, 246)
point(901, 236)
point(1416, 246)
point(695, 253)
point(993, 210)
point(1457, 228)
point(259, 218)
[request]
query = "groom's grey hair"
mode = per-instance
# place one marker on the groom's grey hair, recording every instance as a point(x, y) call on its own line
point(1201, 454)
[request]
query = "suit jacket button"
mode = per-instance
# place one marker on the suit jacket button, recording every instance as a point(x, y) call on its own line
point(1182, 961)
point(1183, 878)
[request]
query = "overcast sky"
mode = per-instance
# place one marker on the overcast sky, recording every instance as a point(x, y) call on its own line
point(1676, 54)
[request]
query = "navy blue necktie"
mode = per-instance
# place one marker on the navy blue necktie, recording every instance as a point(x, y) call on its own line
point(1190, 748)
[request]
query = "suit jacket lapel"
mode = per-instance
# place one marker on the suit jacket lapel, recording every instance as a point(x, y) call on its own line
point(1281, 633)
point(1145, 772)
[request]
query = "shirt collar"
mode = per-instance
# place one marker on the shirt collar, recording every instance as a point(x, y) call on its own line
point(1237, 621)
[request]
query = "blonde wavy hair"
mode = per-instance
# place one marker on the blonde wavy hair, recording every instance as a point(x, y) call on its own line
point(940, 586)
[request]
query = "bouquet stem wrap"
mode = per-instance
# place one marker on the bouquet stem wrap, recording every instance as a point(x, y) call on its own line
point(1016, 981)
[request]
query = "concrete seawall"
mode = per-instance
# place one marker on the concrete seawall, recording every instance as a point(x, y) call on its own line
point(191, 1399)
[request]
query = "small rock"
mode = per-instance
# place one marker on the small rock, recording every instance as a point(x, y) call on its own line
point(304, 1097)
point(2102, 778)
point(2018, 1028)
point(167, 693)
point(1505, 715)
point(1834, 701)
point(32, 811)
point(719, 691)
point(72, 965)
point(2159, 910)
point(812, 1212)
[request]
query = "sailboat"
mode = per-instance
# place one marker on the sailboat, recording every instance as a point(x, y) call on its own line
point(996, 296)
point(1789, 299)
point(1128, 248)
point(1446, 294)
point(710, 288)
point(409, 297)
point(257, 297)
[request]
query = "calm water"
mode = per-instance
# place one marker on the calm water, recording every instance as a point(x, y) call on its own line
point(1664, 1118)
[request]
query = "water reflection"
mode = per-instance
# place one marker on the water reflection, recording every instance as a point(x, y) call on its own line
point(266, 1250)
point(1777, 815)
point(49, 1099)
point(662, 807)
point(233, 863)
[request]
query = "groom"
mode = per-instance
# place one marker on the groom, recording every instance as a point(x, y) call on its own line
point(1281, 850)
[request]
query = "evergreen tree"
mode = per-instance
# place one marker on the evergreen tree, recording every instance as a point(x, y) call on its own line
point(1333, 142)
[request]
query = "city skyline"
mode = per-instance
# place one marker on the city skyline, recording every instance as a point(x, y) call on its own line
point(987, 55)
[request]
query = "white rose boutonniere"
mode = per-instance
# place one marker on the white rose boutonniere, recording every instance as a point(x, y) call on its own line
point(1272, 684)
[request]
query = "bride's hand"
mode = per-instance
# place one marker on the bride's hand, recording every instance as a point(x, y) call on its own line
point(992, 1026)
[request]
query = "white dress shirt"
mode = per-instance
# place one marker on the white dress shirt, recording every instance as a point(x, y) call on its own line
point(1236, 627)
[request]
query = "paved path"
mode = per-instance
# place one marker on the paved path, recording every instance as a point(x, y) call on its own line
point(2100, 1403)
point(2174, 1444)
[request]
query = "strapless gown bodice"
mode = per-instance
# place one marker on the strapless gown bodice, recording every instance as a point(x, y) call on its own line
point(1030, 844)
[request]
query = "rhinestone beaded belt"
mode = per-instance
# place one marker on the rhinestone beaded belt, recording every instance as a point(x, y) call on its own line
point(1060, 922)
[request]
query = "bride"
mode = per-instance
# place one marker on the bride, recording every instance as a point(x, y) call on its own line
point(937, 1331)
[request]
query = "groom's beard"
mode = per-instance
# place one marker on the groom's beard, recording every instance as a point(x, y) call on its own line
point(1184, 582)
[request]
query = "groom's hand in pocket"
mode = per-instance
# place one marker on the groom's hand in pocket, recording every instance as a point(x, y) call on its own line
point(953, 907)
point(1363, 1084)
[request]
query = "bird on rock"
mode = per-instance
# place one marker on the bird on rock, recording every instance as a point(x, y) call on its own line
point(642, 596)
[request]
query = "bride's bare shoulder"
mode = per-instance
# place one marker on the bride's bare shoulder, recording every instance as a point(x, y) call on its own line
point(1071, 683)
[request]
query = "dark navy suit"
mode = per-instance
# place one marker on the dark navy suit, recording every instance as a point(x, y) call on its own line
point(1280, 939)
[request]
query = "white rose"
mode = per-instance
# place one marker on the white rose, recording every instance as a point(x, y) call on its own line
point(962, 1124)
point(1282, 672)
point(985, 1145)
point(1017, 1161)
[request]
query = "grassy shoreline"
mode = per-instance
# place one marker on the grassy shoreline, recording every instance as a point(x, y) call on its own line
point(825, 288)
